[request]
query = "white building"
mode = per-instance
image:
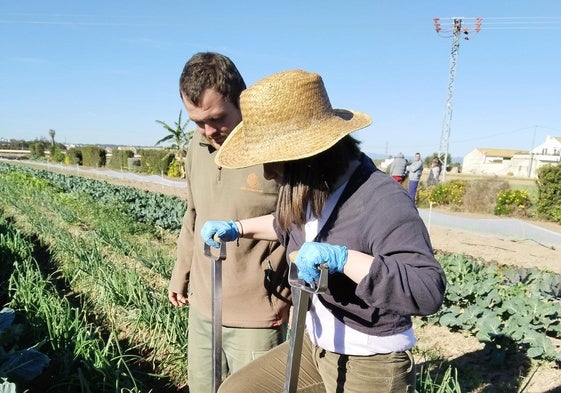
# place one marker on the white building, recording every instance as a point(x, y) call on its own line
point(503, 162)
point(551, 147)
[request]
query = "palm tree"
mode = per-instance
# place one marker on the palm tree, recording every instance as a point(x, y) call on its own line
point(180, 140)
point(52, 135)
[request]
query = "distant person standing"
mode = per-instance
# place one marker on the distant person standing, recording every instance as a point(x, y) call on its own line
point(415, 170)
point(435, 170)
point(398, 168)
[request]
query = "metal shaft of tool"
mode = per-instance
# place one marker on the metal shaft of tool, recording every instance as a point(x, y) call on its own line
point(300, 300)
point(216, 324)
point(216, 276)
point(301, 294)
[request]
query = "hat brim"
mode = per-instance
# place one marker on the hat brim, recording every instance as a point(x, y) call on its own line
point(289, 143)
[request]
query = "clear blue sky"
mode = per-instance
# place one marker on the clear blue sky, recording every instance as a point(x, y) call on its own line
point(104, 71)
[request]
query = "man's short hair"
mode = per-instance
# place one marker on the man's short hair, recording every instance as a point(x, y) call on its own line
point(210, 70)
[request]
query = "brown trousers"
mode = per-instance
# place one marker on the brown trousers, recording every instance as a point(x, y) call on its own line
point(322, 371)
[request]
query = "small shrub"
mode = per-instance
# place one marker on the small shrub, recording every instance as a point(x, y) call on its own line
point(443, 194)
point(174, 169)
point(549, 192)
point(423, 194)
point(512, 202)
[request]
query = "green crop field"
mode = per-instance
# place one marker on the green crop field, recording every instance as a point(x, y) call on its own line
point(85, 266)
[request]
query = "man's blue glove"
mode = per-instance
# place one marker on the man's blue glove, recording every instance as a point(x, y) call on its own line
point(226, 231)
point(313, 254)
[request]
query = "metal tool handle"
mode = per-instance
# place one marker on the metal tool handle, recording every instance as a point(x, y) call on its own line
point(216, 274)
point(301, 293)
point(319, 286)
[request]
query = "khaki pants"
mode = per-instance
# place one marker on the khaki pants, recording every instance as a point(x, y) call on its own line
point(322, 371)
point(239, 347)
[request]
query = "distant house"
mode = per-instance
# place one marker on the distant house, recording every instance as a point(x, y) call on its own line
point(488, 161)
point(503, 162)
point(551, 147)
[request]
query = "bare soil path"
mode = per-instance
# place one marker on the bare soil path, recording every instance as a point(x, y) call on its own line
point(523, 253)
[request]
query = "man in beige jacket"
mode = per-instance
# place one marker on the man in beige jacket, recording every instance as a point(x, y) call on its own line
point(255, 289)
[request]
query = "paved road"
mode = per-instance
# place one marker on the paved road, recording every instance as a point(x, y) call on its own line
point(511, 228)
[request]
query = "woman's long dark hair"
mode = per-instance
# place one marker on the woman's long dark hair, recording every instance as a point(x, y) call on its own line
point(309, 181)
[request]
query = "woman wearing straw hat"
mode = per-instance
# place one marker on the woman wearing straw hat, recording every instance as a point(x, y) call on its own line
point(334, 207)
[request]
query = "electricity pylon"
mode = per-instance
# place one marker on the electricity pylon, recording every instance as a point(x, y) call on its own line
point(455, 30)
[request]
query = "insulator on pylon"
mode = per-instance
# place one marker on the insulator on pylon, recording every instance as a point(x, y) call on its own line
point(478, 22)
point(436, 24)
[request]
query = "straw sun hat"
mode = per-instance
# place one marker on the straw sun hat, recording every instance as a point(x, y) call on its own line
point(286, 116)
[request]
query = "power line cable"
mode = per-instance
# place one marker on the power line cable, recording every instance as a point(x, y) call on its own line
point(504, 23)
point(518, 130)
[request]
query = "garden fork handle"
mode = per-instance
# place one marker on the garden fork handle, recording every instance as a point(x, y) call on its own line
point(216, 274)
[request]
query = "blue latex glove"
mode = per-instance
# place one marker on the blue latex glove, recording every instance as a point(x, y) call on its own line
point(226, 230)
point(313, 254)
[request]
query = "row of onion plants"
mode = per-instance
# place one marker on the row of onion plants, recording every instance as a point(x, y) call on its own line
point(114, 266)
